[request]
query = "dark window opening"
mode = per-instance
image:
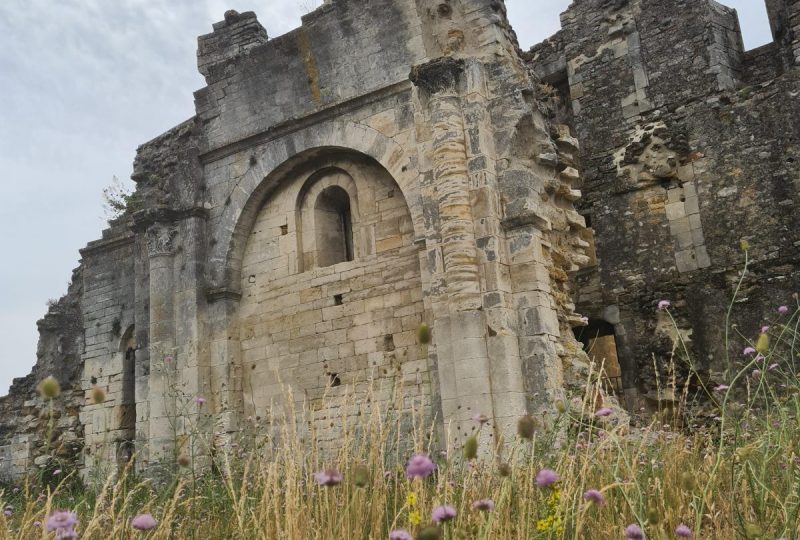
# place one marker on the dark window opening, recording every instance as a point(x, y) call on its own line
point(334, 227)
point(338, 300)
point(600, 343)
point(335, 380)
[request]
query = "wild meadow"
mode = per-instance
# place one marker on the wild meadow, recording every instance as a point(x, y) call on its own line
point(723, 462)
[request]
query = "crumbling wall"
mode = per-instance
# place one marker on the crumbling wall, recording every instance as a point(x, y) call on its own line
point(35, 437)
point(685, 150)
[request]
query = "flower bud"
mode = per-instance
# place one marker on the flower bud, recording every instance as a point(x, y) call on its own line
point(98, 395)
point(361, 475)
point(471, 448)
point(744, 244)
point(526, 426)
point(504, 470)
point(561, 407)
point(423, 334)
point(688, 481)
point(49, 388)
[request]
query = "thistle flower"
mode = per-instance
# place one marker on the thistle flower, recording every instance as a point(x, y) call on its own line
point(423, 334)
point(683, 531)
point(483, 504)
point(773, 367)
point(328, 477)
point(400, 534)
point(603, 412)
point(8, 512)
point(200, 400)
point(98, 395)
point(721, 388)
point(546, 478)
point(593, 495)
point(63, 522)
point(419, 466)
point(664, 305)
point(634, 532)
point(480, 419)
point(49, 388)
point(783, 310)
point(526, 426)
point(144, 522)
point(443, 513)
point(749, 351)
point(471, 448)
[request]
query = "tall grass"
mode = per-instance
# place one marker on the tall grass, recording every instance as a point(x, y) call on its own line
point(732, 472)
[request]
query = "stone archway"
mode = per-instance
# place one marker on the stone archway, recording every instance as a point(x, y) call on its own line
point(324, 330)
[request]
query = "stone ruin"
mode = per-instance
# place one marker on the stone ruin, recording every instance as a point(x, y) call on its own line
point(397, 162)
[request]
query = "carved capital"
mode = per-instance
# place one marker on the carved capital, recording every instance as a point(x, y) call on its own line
point(161, 240)
point(439, 75)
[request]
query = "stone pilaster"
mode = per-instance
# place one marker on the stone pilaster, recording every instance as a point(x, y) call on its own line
point(460, 330)
point(163, 428)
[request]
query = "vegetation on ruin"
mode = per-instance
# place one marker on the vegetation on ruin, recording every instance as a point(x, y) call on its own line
point(723, 462)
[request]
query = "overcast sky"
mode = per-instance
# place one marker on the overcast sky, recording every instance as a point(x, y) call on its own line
point(83, 83)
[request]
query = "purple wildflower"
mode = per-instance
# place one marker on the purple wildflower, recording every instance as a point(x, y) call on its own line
point(605, 411)
point(400, 534)
point(546, 478)
point(783, 310)
point(683, 531)
point(328, 477)
point(144, 522)
point(483, 504)
point(8, 512)
point(764, 329)
point(634, 532)
point(63, 522)
point(594, 496)
point(773, 367)
point(443, 513)
point(749, 351)
point(756, 373)
point(664, 305)
point(480, 419)
point(419, 466)
point(721, 388)
point(37, 523)
point(200, 400)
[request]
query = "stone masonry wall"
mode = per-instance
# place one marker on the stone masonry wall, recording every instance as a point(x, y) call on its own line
point(458, 190)
point(686, 149)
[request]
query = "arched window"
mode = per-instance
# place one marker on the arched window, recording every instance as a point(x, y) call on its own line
point(333, 227)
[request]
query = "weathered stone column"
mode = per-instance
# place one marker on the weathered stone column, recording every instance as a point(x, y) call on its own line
point(460, 332)
point(163, 425)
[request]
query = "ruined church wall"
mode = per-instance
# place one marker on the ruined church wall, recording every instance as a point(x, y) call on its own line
point(685, 151)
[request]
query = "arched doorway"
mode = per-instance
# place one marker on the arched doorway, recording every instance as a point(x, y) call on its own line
point(127, 412)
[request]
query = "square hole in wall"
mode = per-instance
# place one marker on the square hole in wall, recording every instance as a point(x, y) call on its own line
point(338, 300)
